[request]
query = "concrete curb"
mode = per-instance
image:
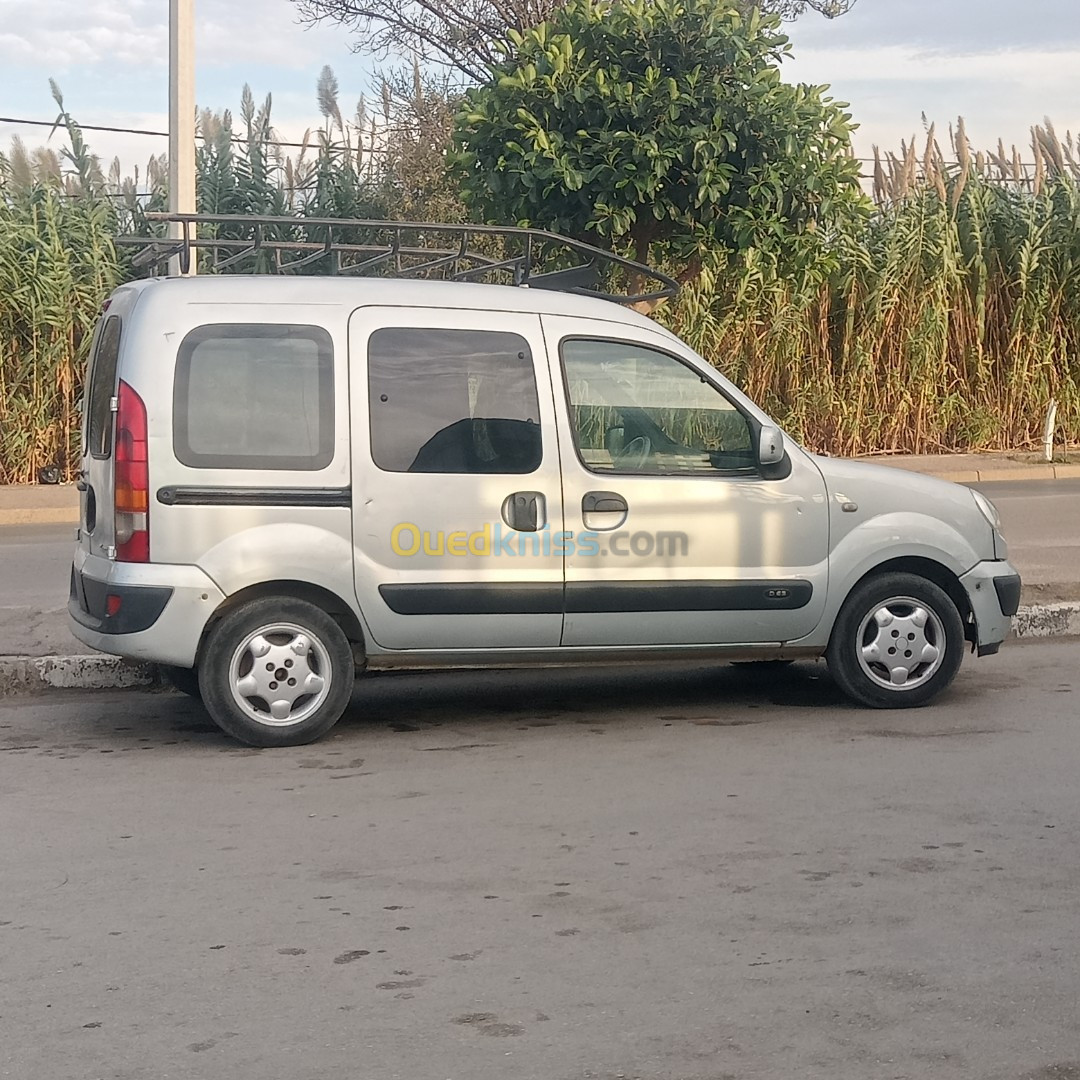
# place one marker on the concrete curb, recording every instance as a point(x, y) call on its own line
point(1048, 620)
point(26, 675)
point(29, 674)
point(997, 475)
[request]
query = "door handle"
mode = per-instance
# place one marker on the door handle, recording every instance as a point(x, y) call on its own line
point(525, 511)
point(603, 502)
point(603, 510)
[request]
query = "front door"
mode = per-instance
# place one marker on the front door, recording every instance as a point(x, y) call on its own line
point(679, 537)
point(456, 491)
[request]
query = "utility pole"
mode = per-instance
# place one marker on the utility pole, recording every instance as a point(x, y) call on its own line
point(181, 120)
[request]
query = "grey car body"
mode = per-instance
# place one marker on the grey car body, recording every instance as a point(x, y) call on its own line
point(464, 474)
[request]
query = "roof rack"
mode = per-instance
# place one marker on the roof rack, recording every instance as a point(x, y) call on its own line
point(403, 249)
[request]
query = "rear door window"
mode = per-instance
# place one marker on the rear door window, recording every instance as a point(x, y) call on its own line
point(103, 389)
point(453, 401)
point(255, 396)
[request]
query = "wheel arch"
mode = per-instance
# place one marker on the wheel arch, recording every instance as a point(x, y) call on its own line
point(337, 608)
point(931, 570)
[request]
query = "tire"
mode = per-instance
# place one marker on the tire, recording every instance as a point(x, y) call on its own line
point(897, 642)
point(308, 648)
point(185, 680)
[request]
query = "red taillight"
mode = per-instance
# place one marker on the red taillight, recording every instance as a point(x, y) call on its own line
point(132, 482)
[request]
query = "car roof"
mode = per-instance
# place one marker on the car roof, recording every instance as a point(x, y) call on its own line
point(389, 292)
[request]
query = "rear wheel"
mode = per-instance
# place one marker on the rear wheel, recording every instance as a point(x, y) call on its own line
point(277, 672)
point(897, 643)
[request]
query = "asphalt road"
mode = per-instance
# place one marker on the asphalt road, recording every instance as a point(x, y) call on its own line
point(35, 568)
point(662, 873)
point(1041, 521)
point(1042, 524)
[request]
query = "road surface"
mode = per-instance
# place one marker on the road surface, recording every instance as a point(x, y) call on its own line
point(662, 873)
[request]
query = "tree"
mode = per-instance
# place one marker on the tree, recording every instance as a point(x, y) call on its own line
point(468, 35)
point(662, 124)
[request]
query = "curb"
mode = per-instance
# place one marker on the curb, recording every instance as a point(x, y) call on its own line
point(26, 675)
point(1010, 474)
point(1048, 620)
point(29, 674)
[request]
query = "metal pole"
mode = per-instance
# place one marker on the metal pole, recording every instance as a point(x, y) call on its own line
point(181, 120)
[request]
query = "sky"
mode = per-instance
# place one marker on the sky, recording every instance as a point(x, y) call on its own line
point(1001, 64)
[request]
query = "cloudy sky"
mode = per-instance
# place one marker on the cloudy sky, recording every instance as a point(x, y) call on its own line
point(1002, 64)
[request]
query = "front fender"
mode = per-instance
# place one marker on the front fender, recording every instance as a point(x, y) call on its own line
point(878, 541)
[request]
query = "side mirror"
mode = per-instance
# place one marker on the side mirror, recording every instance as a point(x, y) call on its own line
point(770, 445)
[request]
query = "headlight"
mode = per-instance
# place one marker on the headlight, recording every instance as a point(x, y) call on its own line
point(989, 510)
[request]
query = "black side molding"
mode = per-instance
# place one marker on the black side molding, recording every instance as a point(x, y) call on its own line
point(469, 599)
point(224, 496)
point(629, 596)
point(586, 597)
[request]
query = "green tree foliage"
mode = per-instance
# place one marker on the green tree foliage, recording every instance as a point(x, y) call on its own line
point(467, 36)
point(662, 123)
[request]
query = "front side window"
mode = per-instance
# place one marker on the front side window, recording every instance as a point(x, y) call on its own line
point(102, 389)
point(255, 396)
point(452, 401)
point(637, 410)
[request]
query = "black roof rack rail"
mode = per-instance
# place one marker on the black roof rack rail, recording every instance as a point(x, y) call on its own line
point(403, 249)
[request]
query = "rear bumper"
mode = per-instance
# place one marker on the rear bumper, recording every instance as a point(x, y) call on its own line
point(163, 609)
point(993, 589)
point(115, 609)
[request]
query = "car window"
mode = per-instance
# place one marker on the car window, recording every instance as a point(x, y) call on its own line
point(255, 396)
point(102, 389)
point(453, 401)
point(639, 410)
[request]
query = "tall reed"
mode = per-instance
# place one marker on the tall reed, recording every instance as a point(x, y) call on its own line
point(948, 320)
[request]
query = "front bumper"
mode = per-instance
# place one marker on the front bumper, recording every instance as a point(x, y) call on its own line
point(993, 589)
point(163, 609)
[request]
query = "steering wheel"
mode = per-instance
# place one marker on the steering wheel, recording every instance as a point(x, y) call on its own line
point(634, 455)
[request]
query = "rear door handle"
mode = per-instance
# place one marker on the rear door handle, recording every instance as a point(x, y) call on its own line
point(525, 511)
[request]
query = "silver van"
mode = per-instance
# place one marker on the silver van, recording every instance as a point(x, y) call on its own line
point(290, 480)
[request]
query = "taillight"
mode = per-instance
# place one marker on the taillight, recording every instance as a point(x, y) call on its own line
point(132, 481)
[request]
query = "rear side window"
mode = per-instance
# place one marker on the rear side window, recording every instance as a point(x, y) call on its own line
point(102, 389)
point(453, 401)
point(255, 396)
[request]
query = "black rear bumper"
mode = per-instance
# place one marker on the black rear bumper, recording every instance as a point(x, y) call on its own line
point(136, 607)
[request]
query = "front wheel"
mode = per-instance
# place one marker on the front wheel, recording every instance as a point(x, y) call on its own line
point(277, 672)
point(897, 643)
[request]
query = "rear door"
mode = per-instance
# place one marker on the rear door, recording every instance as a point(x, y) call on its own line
point(97, 535)
point(457, 499)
